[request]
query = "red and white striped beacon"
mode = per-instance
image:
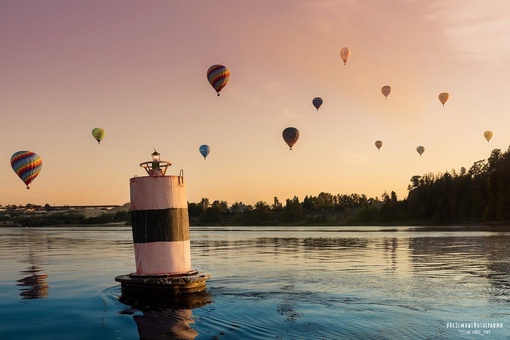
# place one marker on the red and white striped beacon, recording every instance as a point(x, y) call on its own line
point(161, 237)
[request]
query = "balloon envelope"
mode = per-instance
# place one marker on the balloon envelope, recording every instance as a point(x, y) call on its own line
point(317, 102)
point(487, 135)
point(290, 136)
point(204, 150)
point(443, 97)
point(98, 134)
point(27, 165)
point(420, 150)
point(345, 53)
point(378, 144)
point(218, 76)
point(386, 90)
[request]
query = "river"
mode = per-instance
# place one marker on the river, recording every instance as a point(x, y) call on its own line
point(267, 283)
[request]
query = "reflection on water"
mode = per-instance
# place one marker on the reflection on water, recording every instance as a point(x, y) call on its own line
point(33, 286)
point(167, 317)
point(465, 260)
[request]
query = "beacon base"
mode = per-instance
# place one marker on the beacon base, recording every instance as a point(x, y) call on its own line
point(193, 282)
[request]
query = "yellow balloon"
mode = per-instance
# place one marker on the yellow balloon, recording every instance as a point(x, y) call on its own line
point(98, 134)
point(487, 135)
point(386, 90)
point(443, 97)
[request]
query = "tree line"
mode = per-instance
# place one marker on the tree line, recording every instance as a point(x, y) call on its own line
point(478, 195)
point(31, 219)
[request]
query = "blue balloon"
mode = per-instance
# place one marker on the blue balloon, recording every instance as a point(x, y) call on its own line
point(204, 150)
point(317, 102)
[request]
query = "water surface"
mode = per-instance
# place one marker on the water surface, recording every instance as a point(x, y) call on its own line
point(267, 283)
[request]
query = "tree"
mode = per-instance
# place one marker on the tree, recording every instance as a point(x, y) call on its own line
point(293, 210)
point(205, 203)
point(261, 214)
point(213, 214)
point(195, 209)
point(388, 209)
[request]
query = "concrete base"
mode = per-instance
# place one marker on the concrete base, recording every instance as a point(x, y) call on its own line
point(192, 282)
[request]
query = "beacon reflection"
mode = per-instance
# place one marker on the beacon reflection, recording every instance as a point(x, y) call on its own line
point(33, 286)
point(166, 318)
point(169, 324)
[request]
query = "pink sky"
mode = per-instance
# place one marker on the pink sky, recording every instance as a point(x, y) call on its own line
point(138, 70)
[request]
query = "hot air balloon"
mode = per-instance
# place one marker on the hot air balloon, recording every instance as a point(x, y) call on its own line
point(290, 136)
point(218, 76)
point(204, 150)
point(443, 97)
point(98, 134)
point(345, 53)
point(420, 150)
point(378, 144)
point(386, 91)
point(27, 165)
point(317, 102)
point(487, 135)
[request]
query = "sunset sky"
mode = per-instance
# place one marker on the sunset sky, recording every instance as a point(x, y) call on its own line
point(138, 70)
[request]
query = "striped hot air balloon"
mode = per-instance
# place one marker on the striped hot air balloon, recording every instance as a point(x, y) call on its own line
point(98, 134)
point(27, 165)
point(218, 76)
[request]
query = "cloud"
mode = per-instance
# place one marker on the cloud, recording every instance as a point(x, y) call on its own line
point(476, 30)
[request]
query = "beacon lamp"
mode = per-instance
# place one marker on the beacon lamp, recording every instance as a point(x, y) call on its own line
point(156, 167)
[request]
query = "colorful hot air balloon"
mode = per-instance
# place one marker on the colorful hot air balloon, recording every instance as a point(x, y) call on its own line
point(290, 136)
point(443, 97)
point(386, 91)
point(420, 150)
point(204, 150)
point(378, 144)
point(345, 53)
point(27, 165)
point(487, 135)
point(317, 102)
point(218, 76)
point(98, 134)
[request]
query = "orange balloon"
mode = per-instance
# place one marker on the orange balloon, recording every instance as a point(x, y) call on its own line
point(443, 97)
point(345, 53)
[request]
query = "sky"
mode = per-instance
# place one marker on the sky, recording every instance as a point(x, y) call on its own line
point(138, 69)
